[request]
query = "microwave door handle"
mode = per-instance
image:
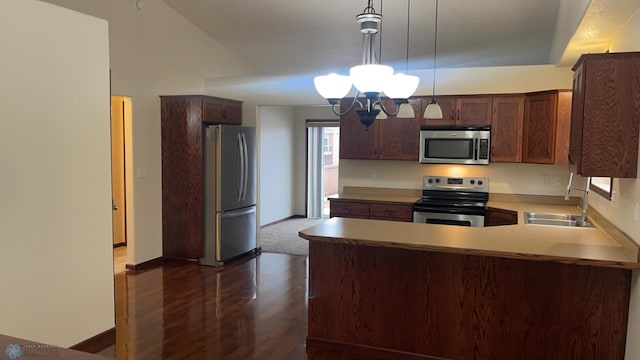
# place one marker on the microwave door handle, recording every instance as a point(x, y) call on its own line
point(476, 148)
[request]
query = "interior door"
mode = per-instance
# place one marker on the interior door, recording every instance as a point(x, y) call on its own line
point(117, 170)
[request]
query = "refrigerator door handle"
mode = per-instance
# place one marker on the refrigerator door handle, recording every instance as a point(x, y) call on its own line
point(246, 166)
point(233, 214)
point(239, 167)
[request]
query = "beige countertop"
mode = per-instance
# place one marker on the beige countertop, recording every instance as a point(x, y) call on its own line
point(584, 246)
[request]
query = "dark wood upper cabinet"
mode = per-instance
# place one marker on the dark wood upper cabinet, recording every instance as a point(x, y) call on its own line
point(547, 117)
point(448, 106)
point(462, 110)
point(221, 111)
point(181, 123)
point(605, 119)
point(392, 138)
point(506, 128)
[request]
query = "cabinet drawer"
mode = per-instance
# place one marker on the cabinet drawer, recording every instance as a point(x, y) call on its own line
point(391, 212)
point(350, 209)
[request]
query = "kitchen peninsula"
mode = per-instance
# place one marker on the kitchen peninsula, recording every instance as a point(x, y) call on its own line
point(424, 291)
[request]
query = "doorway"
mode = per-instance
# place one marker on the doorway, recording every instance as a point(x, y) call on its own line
point(323, 149)
point(120, 124)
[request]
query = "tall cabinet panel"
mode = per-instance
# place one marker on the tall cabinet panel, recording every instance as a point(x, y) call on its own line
point(182, 119)
point(605, 122)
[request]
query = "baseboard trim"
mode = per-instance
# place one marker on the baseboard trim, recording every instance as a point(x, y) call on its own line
point(149, 264)
point(98, 342)
point(285, 219)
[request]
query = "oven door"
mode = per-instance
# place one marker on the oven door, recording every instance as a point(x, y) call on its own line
point(445, 218)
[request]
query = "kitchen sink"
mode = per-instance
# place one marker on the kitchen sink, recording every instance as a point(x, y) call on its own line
point(568, 220)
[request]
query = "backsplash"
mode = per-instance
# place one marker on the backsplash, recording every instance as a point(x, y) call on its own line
point(506, 178)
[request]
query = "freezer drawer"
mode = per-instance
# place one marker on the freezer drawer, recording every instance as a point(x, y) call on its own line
point(233, 234)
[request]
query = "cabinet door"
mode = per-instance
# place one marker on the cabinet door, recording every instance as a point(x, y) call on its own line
point(448, 106)
point(497, 217)
point(473, 111)
point(539, 128)
point(356, 142)
point(399, 138)
point(350, 209)
point(611, 115)
point(563, 128)
point(506, 128)
point(221, 111)
point(394, 212)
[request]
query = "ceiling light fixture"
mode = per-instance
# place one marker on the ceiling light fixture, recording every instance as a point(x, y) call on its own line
point(433, 110)
point(370, 78)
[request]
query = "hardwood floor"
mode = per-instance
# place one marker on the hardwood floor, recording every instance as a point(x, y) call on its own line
point(251, 309)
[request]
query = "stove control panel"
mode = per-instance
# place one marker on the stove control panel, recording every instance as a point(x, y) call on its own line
point(476, 184)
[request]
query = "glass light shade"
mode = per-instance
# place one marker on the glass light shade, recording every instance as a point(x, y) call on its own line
point(401, 86)
point(332, 86)
point(371, 77)
point(406, 112)
point(433, 110)
point(381, 115)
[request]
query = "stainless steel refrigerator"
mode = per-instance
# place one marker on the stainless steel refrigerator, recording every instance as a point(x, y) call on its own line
point(230, 193)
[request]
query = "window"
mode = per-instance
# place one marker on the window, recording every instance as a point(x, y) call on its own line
point(327, 147)
point(602, 186)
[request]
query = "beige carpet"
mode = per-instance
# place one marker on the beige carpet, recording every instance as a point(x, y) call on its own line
point(283, 237)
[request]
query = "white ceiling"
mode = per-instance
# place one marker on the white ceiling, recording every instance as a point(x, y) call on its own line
point(286, 37)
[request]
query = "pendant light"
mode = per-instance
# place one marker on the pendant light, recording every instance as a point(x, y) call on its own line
point(406, 110)
point(433, 110)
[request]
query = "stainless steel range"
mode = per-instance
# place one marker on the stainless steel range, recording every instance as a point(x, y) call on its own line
point(452, 201)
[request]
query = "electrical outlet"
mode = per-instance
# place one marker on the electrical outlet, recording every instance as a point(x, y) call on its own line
point(545, 179)
point(557, 180)
point(635, 213)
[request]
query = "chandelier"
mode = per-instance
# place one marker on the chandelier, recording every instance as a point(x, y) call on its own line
point(370, 78)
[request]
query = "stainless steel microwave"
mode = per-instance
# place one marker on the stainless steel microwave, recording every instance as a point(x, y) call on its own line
point(455, 145)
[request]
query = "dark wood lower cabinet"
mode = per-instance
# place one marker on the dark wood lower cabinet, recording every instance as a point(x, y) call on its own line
point(402, 304)
point(363, 209)
point(497, 217)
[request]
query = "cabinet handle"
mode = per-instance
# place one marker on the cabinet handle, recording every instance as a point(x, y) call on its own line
point(569, 155)
point(458, 114)
point(453, 114)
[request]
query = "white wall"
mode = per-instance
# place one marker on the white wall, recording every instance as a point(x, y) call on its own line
point(55, 219)
point(277, 163)
point(154, 51)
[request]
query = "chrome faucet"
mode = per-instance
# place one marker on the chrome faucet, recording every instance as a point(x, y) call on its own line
point(585, 198)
